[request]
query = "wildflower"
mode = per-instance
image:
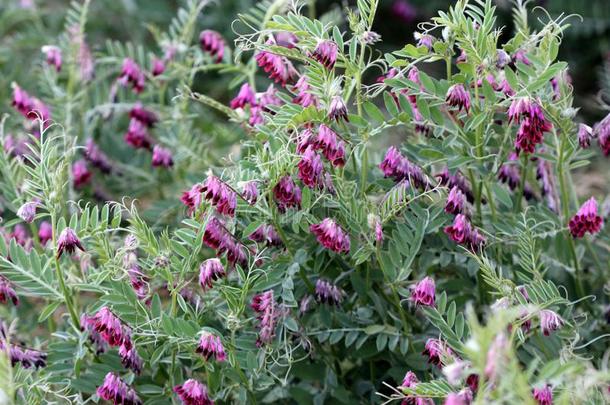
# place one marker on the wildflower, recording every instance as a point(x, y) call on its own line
point(533, 124)
point(454, 399)
point(137, 135)
point(332, 149)
point(457, 96)
point(455, 371)
point(502, 58)
point(7, 293)
point(473, 382)
point(138, 281)
point(370, 37)
point(28, 358)
point(110, 328)
point(278, 67)
point(97, 158)
point(285, 39)
point(378, 232)
point(520, 56)
point(162, 157)
point(410, 380)
point(544, 395)
point(192, 392)
point(338, 110)
point(53, 54)
point(158, 66)
point(509, 174)
point(544, 173)
point(455, 201)
point(132, 73)
point(549, 321)
point(268, 98)
point(146, 117)
point(27, 211)
point(264, 306)
point(496, 356)
point(463, 233)
point(244, 97)
point(505, 88)
point(310, 168)
point(326, 53)
point(287, 194)
point(192, 197)
point(305, 304)
point(586, 220)
point(130, 358)
point(585, 133)
point(210, 271)
point(436, 351)
point(219, 195)
point(211, 346)
point(328, 293)
point(400, 168)
point(45, 232)
point(601, 130)
point(217, 237)
point(303, 96)
point(423, 293)
point(330, 235)
point(80, 173)
point(267, 234)
point(404, 11)
point(212, 43)
point(68, 241)
point(250, 192)
point(214, 235)
point(115, 390)
point(22, 101)
point(425, 40)
point(20, 234)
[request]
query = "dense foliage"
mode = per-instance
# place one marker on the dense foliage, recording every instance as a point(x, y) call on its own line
point(348, 226)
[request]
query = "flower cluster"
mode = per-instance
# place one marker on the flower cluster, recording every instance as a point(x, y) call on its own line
point(586, 220)
point(398, 167)
point(217, 237)
point(266, 312)
point(331, 236)
point(464, 233)
point(210, 346)
point(192, 392)
point(328, 293)
point(532, 123)
point(114, 389)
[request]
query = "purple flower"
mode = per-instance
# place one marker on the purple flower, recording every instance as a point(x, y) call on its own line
point(330, 235)
point(454, 399)
point(457, 96)
point(244, 97)
point(219, 195)
point(22, 101)
point(502, 59)
point(250, 192)
point(68, 241)
point(143, 115)
point(545, 174)
point(192, 392)
point(115, 390)
point(27, 211)
point(400, 168)
point(521, 56)
point(423, 293)
point(94, 337)
point(326, 53)
point(404, 11)
point(549, 321)
point(162, 157)
point(328, 293)
point(266, 234)
point(424, 40)
point(212, 43)
point(287, 194)
point(137, 135)
point(279, 68)
point(130, 358)
point(303, 96)
point(310, 168)
point(53, 54)
point(80, 173)
point(217, 237)
point(132, 74)
point(110, 328)
point(158, 66)
point(463, 233)
point(496, 356)
point(437, 351)
point(138, 280)
point(505, 88)
point(7, 293)
point(332, 149)
point(264, 306)
point(45, 232)
point(586, 220)
point(544, 395)
point(338, 109)
point(455, 201)
point(97, 158)
point(533, 124)
point(210, 271)
point(410, 380)
point(601, 130)
point(211, 346)
point(585, 133)
point(28, 358)
point(285, 39)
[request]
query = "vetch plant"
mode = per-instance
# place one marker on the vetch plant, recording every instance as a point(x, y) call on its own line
point(347, 227)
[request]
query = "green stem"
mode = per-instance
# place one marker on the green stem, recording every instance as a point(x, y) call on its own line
point(524, 173)
point(62, 284)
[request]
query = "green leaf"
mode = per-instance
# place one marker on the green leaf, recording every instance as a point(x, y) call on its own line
point(48, 311)
point(374, 112)
point(374, 329)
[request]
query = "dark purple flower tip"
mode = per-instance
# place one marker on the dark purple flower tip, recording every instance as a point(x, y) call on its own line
point(131, 73)
point(424, 292)
point(457, 96)
point(279, 68)
point(303, 96)
point(266, 313)
point(521, 56)
point(332, 148)
point(400, 168)
point(330, 235)
point(326, 53)
point(601, 130)
point(68, 241)
point(338, 110)
point(45, 232)
point(130, 358)
point(158, 66)
point(463, 233)
point(310, 168)
point(426, 40)
point(212, 43)
point(543, 395)
point(217, 193)
point(437, 352)
point(455, 201)
point(250, 192)
point(585, 134)
point(587, 219)
point(115, 390)
point(53, 54)
point(80, 173)
point(7, 293)
point(192, 392)
point(287, 194)
point(328, 293)
point(210, 271)
point(145, 116)
point(266, 234)
point(137, 135)
point(162, 157)
point(550, 321)
point(244, 97)
point(211, 346)
point(97, 158)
